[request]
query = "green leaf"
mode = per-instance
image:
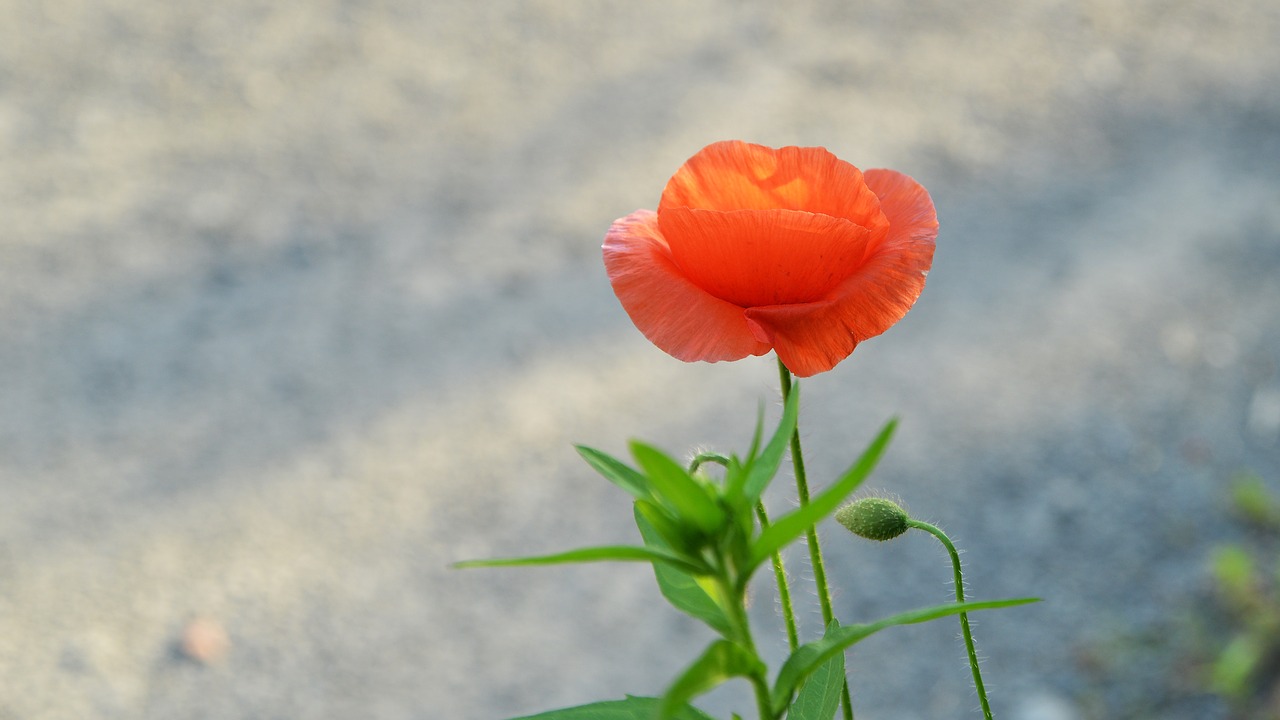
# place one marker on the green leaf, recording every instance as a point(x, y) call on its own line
point(673, 484)
point(759, 433)
point(1237, 663)
point(632, 708)
point(740, 511)
point(819, 696)
point(681, 589)
point(764, 467)
point(792, 525)
point(676, 537)
point(721, 661)
point(735, 476)
point(616, 472)
point(624, 553)
point(807, 658)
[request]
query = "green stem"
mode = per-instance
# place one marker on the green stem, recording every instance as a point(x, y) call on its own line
point(815, 550)
point(784, 588)
point(779, 570)
point(964, 617)
point(707, 457)
point(742, 630)
point(761, 686)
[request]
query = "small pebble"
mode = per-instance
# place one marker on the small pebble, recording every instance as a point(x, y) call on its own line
point(205, 641)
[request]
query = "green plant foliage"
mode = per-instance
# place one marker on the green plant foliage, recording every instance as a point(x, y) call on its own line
point(702, 538)
point(1249, 599)
point(681, 589)
point(1251, 602)
point(873, 518)
point(607, 553)
point(676, 489)
point(1233, 569)
point(721, 661)
point(679, 539)
point(809, 657)
point(631, 708)
point(616, 472)
point(1225, 643)
point(1253, 502)
point(741, 511)
point(762, 469)
point(1233, 670)
point(792, 525)
point(819, 696)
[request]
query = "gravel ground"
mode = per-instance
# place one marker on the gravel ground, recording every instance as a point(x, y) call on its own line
point(300, 302)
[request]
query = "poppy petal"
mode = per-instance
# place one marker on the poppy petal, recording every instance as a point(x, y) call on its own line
point(675, 314)
point(812, 338)
point(907, 206)
point(806, 337)
point(763, 257)
point(734, 175)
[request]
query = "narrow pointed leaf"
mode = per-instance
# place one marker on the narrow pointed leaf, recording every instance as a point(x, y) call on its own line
point(735, 477)
point(680, 588)
point(673, 484)
point(616, 472)
point(622, 553)
point(721, 661)
point(792, 525)
point(819, 695)
point(631, 708)
point(807, 658)
point(758, 434)
point(735, 482)
point(764, 467)
point(742, 511)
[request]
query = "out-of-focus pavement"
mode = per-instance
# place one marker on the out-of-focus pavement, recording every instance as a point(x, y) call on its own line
point(302, 301)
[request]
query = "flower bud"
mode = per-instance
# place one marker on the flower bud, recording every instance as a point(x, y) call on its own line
point(873, 518)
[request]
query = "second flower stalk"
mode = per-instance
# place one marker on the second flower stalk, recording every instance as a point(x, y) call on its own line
point(874, 519)
point(811, 537)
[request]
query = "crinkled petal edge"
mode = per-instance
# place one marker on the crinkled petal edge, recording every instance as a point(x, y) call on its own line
point(814, 337)
point(676, 315)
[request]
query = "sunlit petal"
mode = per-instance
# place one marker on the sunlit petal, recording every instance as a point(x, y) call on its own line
point(734, 175)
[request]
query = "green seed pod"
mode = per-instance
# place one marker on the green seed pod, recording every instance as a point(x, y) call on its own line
point(873, 518)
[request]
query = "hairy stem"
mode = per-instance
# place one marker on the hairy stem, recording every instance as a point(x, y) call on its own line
point(964, 617)
point(742, 630)
point(784, 588)
point(815, 549)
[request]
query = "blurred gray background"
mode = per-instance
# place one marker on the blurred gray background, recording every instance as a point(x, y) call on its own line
point(302, 301)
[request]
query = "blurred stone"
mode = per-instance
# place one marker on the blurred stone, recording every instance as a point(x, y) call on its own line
point(205, 641)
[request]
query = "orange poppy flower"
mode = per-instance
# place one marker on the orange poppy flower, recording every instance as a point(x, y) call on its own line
point(754, 249)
